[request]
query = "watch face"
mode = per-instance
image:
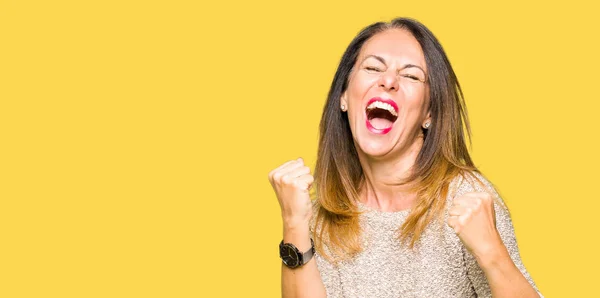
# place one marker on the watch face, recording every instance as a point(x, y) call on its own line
point(289, 256)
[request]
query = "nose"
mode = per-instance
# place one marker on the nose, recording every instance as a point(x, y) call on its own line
point(388, 81)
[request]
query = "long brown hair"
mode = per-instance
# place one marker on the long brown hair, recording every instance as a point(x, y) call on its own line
point(444, 155)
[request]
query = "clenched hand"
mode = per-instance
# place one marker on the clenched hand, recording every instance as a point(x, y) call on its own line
point(291, 182)
point(473, 219)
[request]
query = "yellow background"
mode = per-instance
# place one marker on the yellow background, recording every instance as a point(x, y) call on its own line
point(136, 136)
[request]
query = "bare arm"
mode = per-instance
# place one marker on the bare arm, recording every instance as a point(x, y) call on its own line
point(303, 281)
point(491, 252)
point(291, 182)
point(504, 278)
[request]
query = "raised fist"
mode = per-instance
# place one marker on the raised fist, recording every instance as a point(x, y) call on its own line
point(291, 182)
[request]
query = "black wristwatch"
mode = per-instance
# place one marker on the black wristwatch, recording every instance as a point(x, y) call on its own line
point(291, 255)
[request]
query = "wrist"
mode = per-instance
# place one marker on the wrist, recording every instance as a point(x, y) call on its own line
point(293, 257)
point(493, 257)
point(298, 235)
point(295, 224)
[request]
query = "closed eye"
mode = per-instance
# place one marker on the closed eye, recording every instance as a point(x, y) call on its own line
point(370, 68)
point(411, 77)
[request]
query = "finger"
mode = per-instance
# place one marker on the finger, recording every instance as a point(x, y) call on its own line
point(463, 219)
point(482, 196)
point(297, 172)
point(305, 181)
point(477, 194)
point(278, 176)
point(272, 172)
point(458, 210)
point(293, 165)
point(454, 223)
point(467, 201)
point(284, 165)
point(291, 176)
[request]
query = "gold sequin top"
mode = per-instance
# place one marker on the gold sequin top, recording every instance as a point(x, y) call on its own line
point(439, 265)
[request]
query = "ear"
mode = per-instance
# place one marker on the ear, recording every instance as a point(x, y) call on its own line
point(344, 100)
point(427, 122)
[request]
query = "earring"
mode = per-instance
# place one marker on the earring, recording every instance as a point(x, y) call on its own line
point(427, 125)
point(344, 108)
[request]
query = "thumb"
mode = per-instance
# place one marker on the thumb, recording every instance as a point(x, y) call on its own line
point(305, 182)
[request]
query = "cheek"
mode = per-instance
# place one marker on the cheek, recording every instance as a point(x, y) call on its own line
point(414, 100)
point(359, 85)
point(413, 92)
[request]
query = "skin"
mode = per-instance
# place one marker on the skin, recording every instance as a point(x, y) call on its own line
point(291, 182)
point(473, 219)
point(382, 70)
point(391, 65)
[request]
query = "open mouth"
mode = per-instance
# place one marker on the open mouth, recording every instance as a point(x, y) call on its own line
point(381, 115)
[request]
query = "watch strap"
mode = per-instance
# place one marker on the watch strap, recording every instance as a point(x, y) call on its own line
point(307, 255)
point(303, 257)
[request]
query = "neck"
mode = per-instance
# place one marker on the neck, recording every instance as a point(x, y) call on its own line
point(385, 187)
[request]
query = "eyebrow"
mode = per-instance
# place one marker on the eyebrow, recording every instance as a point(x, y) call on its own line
point(403, 67)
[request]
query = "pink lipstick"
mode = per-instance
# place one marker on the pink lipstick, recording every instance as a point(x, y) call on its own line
point(377, 131)
point(381, 115)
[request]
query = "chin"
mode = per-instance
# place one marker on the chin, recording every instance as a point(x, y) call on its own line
point(375, 148)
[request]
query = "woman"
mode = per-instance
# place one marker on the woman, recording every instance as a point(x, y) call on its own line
point(401, 210)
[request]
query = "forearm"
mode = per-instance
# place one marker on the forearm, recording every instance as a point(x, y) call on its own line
point(504, 278)
point(304, 281)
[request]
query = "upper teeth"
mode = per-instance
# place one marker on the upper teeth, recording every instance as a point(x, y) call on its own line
point(382, 105)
